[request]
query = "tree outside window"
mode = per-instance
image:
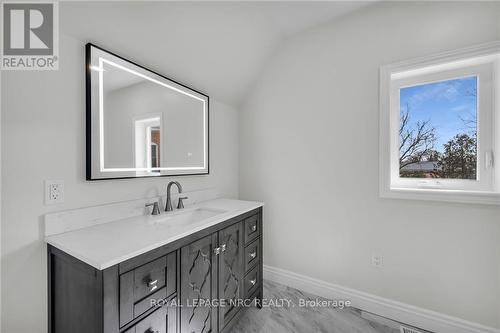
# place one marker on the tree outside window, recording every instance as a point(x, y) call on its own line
point(438, 130)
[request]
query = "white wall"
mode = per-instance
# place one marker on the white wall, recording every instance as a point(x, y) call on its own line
point(43, 138)
point(309, 150)
point(498, 263)
point(1, 212)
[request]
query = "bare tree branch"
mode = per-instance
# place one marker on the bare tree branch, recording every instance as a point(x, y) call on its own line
point(470, 120)
point(415, 141)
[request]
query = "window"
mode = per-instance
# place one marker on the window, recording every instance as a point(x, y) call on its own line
point(438, 130)
point(438, 125)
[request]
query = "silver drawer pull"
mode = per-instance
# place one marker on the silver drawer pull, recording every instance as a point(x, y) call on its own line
point(254, 227)
point(253, 282)
point(150, 330)
point(253, 254)
point(152, 285)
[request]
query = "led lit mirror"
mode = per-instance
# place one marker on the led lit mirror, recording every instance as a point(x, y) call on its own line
point(141, 124)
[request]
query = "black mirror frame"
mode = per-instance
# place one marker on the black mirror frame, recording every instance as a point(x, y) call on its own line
point(88, 118)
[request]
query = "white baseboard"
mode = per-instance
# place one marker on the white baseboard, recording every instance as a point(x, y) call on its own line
point(401, 312)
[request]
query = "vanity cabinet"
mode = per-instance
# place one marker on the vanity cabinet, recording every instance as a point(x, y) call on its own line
point(192, 285)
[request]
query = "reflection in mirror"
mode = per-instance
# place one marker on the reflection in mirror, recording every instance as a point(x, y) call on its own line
point(154, 144)
point(147, 142)
point(142, 124)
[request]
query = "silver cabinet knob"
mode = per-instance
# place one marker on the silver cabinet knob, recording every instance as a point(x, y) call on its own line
point(223, 248)
point(253, 282)
point(254, 227)
point(217, 251)
point(253, 254)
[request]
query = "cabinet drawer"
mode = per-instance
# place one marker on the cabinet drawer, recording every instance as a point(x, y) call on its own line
point(252, 281)
point(252, 254)
point(252, 228)
point(154, 280)
point(149, 278)
point(162, 320)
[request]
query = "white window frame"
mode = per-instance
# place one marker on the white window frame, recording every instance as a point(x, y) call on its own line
point(482, 61)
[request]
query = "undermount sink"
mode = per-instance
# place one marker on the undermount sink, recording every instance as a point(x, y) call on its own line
point(186, 216)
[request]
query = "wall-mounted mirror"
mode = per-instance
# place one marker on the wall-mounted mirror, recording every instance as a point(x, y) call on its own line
point(141, 124)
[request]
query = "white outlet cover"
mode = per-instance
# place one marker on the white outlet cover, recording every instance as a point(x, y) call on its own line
point(54, 192)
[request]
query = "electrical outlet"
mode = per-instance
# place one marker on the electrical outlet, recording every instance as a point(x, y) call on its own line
point(54, 192)
point(377, 260)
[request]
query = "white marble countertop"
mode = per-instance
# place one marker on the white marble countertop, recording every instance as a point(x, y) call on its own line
point(108, 244)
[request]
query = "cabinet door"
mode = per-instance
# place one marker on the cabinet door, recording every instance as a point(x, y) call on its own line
point(198, 283)
point(230, 271)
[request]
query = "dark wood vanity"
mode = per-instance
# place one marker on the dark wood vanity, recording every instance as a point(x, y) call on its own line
point(221, 262)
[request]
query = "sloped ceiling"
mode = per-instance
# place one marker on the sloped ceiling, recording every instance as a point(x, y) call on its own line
point(216, 47)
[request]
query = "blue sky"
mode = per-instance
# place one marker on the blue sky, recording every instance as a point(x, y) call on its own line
point(443, 103)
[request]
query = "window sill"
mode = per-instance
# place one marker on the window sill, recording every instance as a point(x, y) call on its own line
point(471, 197)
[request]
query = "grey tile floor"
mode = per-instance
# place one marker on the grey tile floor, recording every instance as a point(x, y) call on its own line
point(308, 319)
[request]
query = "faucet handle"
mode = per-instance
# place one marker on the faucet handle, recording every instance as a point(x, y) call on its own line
point(156, 208)
point(180, 205)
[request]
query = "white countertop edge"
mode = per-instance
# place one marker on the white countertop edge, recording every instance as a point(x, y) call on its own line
point(102, 266)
